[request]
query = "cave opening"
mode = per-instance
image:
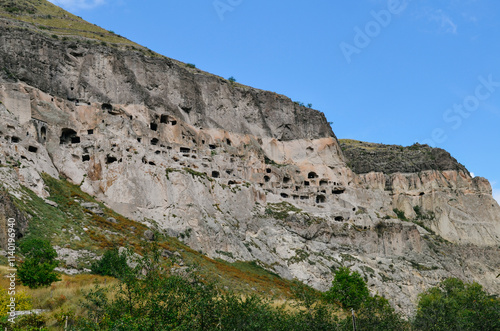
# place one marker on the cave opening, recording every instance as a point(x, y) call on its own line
point(68, 136)
point(320, 199)
point(312, 175)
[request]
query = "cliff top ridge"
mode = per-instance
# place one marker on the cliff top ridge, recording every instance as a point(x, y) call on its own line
point(365, 157)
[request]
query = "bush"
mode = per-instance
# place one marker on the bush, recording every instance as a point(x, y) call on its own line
point(37, 270)
point(401, 215)
point(190, 65)
point(23, 301)
point(348, 289)
point(231, 79)
point(453, 305)
point(377, 314)
point(111, 264)
point(150, 299)
point(31, 322)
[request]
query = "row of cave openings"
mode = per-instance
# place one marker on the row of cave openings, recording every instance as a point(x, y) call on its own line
point(320, 198)
point(42, 137)
point(70, 136)
point(312, 177)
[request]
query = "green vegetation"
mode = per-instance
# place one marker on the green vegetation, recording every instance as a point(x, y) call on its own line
point(23, 301)
point(198, 174)
point(232, 80)
point(271, 162)
point(401, 215)
point(58, 22)
point(111, 264)
point(190, 65)
point(98, 234)
point(453, 305)
point(281, 210)
point(170, 170)
point(421, 216)
point(151, 298)
point(37, 269)
point(348, 289)
point(25, 323)
point(205, 300)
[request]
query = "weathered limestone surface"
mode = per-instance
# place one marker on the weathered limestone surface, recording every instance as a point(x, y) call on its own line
point(248, 172)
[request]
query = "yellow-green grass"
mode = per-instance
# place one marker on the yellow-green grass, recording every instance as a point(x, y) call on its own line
point(61, 298)
point(55, 20)
point(61, 224)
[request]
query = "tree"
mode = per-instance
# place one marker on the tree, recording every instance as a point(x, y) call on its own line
point(348, 289)
point(231, 79)
point(111, 264)
point(455, 305)
point(377, 314)
point(37, 270)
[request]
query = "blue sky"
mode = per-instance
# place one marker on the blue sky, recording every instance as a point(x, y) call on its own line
point(395, 72)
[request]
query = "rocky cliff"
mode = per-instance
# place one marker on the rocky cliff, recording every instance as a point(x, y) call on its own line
point(248, 174)
point(363, 157)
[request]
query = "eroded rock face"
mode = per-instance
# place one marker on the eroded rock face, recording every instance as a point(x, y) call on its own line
point(9, 211)
point(366, 157)
point(248, 174)
point(84, 73)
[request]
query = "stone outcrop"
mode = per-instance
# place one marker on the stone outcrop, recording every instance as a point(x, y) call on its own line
point(248, 174)
point(8, 210)
point(363, 157)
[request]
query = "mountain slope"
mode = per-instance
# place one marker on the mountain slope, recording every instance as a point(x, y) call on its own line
point(234, 172)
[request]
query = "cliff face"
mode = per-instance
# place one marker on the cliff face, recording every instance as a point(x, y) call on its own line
point(9, 211)
point(94, 73)
point(247, 173)
point(366, 157)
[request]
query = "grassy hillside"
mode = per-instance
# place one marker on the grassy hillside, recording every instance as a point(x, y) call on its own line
point(75, 227)
point(55, 21)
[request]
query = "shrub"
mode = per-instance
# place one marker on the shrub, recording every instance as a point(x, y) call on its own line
point(377, 314)
point(190, 65)
point(111, 264)
point(231, 79)
point(455, 305)
point(401, 215)
point(23, 301)
point(348, 289)
point(37, 270)
point(31, 322)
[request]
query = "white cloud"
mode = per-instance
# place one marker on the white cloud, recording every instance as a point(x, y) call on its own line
point(78, 4)
point(472, 175)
